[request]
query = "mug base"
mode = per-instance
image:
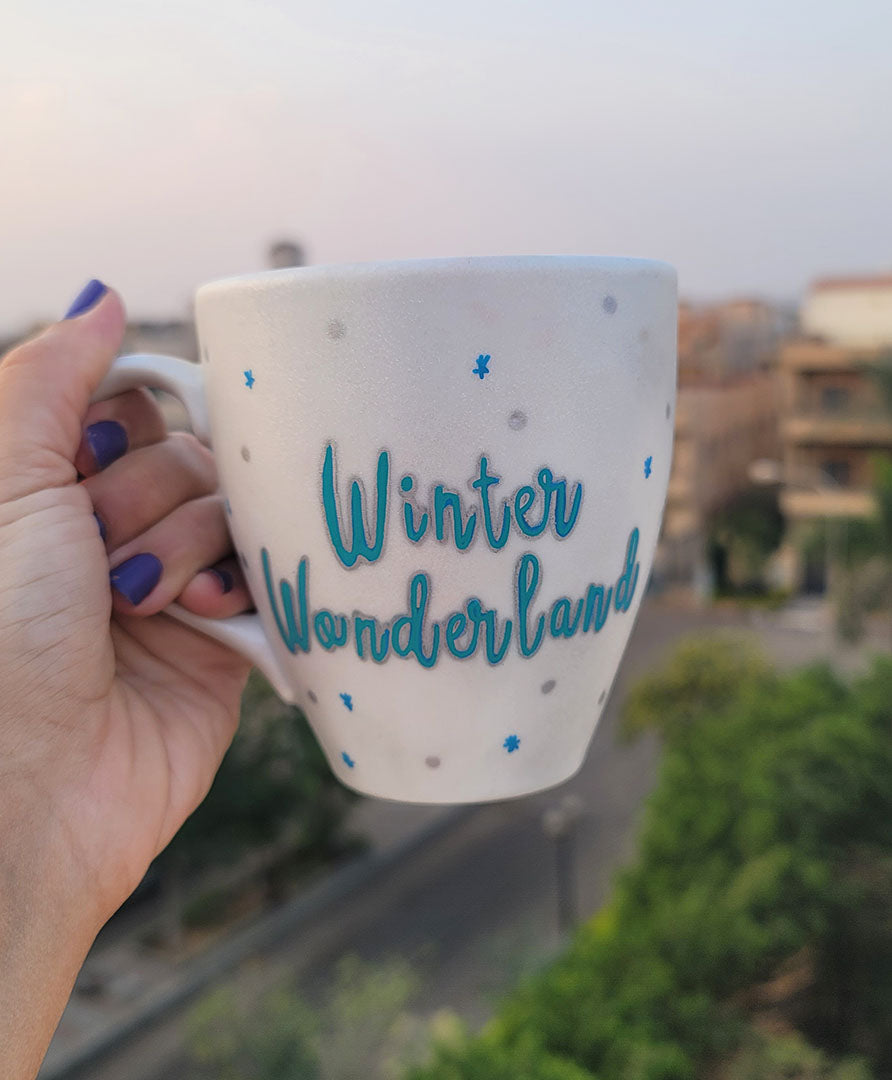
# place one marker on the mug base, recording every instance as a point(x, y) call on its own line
point(455, 794)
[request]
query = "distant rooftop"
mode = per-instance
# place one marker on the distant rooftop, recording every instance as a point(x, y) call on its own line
point(862, 281)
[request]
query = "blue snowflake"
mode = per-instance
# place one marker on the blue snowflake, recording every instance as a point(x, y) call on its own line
point(348, 701)
point(249, 379)
point(348, 761)
point(481, 369)
point(512, 743)
point(648, 467)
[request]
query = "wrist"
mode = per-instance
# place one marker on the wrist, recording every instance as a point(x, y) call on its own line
point(46, 931)
point(40, 880)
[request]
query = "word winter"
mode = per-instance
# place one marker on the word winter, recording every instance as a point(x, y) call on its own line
point(531, 510)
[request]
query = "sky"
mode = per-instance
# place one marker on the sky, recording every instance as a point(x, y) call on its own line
point(158, 146)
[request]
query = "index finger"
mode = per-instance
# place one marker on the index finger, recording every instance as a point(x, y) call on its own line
point(125, 422)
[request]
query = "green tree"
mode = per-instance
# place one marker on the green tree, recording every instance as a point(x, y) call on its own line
point(742, 535)
point(364, 1025)
point(492, 1059)
point(880, 370)
point(276, 1042)
point(771, 819)
point(365, 1019)
point(789, 1057)
point(865, 572)
point(274, 777)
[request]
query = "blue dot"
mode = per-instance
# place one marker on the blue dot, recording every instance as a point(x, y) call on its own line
point(348, 761)
point(406, 483)
point(511, 744)
point(347, 700)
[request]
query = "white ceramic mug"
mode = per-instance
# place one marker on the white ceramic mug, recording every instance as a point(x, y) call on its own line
point(445, 481)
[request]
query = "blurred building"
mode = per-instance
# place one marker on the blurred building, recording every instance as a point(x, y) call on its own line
point(855, 311)
point(717, 342)
point(174, 337)
point(835, 416)
point(286, 253)
point(726, 416)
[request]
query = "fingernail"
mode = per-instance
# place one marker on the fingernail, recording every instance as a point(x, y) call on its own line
point(135, 578)
point(89, 295)
point(107, 440)
point(226, 579)
point(101, 525)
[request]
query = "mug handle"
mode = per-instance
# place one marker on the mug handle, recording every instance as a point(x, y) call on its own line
point(183, 379)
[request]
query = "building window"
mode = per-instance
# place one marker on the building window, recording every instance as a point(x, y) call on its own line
point(839, 473)
point(834, 399)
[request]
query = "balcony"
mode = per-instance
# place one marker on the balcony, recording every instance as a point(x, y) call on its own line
point(852, 427)
point(827, 503)
point(819, 356)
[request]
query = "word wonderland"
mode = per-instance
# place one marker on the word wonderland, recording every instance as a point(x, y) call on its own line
point(474, 627)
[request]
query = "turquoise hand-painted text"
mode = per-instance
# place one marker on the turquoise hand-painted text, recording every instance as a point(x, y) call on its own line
point(474, 629)
point(357, 528)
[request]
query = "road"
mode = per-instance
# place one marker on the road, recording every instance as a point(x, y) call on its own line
point(478, 904)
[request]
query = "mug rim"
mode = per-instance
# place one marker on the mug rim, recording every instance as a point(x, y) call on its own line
point(618, 264)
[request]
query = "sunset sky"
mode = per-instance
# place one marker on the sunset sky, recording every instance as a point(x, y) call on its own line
point(161, 145)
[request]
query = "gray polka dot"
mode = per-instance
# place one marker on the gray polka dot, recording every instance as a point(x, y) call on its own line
point(312, 697)
point(246, 453)
point(601, 698)
point(668, 410)
point(644, 335)
point(609, 304)
point(432, 762)
point(547, 687)
point(336, 330)
point(517, 420)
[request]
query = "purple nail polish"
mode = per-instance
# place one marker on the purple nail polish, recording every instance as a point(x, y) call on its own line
point(101, 525)
point(135, 578)
point(89, 295)
point(226, 580)
point(107, 440)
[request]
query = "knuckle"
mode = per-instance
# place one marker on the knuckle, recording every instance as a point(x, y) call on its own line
point(129, 406)
point(141, 402)
point(31, 349)
point(194, 455)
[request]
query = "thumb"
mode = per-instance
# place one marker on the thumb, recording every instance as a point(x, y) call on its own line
point(45, 388)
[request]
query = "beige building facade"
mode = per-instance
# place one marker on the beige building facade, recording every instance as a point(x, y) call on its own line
point(834, 421)
point(835, 418)
point(852, 311)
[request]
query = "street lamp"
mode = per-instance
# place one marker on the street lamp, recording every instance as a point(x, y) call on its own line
point(559, 822)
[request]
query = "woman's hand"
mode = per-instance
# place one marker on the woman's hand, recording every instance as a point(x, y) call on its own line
point(113, 717)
